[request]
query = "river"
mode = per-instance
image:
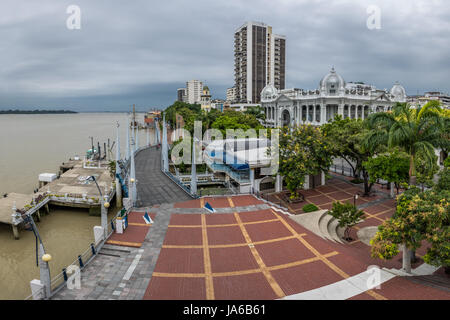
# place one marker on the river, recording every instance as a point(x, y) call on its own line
point(33, 144)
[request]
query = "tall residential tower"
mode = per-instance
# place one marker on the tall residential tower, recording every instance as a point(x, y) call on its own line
point(259, 59)
point(194, 89)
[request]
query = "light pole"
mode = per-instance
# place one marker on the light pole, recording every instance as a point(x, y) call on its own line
point(104, 205)
point(355, 197)
point(92, 146)
point(42, 258)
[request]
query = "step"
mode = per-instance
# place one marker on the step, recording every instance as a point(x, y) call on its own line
point(332, 230)
point(323, 226)
point(310, 221)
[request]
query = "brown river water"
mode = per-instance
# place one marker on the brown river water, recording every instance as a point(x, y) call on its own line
point(33, 144)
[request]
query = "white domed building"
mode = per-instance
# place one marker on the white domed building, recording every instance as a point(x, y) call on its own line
point(333, 96)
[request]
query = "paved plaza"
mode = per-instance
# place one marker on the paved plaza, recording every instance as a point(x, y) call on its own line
point(247, 249)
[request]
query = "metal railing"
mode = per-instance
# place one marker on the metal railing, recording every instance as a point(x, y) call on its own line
point(82, 261)
point(343, 170)
point(278, 202)
point(179, 183)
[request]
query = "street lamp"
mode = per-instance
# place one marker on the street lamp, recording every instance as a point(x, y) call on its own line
point(104, 205)
point(42, 258)
point(355, 197)
point(92, 145)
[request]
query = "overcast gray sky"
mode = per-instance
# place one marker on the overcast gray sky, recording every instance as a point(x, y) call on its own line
point(140, 51)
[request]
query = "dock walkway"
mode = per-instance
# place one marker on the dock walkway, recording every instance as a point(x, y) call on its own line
point(7, 203)
point(153, 186)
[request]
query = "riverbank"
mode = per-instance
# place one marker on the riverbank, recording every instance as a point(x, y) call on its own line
point(35, 144)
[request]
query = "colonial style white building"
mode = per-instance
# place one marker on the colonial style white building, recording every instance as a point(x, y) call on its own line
point(334, 96)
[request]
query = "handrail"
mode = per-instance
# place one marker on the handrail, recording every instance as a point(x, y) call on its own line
point(181, 185)
point(86, 257)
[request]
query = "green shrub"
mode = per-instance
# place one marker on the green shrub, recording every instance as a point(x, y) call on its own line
point(444, 180)
point(447, 162)
point(357, 181)
point(310, 208)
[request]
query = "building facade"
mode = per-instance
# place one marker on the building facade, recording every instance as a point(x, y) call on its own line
point(259, 59)
point(194, 89)
point(334, 96)
point(205, 99)
point(419, 100)
point(181, 95)
point(231, 95)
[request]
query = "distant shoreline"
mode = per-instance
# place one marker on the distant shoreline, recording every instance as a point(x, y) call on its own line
point(36, 111)
point(60, 112)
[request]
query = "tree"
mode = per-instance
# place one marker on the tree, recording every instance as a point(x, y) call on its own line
point(347, 215)
point(231, 119)
point(417, 131)
point(257, 112)
point(443, 180)
point(392, 167)
point(419, 216)
point(303, 151)
point(346, 138)
point(425, 171)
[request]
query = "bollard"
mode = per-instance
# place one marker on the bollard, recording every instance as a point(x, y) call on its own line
point(93, 249)
point(80, 261)
point(64, 274)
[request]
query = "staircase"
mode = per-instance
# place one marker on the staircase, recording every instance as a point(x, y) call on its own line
point(322, 224)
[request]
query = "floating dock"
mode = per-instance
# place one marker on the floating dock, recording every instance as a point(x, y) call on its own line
point(71, 189)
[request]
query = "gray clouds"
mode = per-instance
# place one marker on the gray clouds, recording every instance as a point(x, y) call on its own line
point(142, 51)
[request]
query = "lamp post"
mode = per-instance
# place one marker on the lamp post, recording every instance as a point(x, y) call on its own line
point(355, 197)
point(104, 205)
point(42, 258)
point(132, 187)
point(92, 146)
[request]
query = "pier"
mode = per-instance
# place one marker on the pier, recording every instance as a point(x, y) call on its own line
point(71, 189)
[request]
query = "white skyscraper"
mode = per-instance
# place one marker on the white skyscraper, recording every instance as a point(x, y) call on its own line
point(194, 90)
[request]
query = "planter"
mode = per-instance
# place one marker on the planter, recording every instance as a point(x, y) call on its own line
point(287, 197)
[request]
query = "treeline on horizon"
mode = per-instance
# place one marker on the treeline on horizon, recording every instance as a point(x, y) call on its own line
point(10, 111)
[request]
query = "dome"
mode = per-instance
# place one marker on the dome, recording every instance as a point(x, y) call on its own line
point(269, 92)
point(398, 92)
point(332, 83)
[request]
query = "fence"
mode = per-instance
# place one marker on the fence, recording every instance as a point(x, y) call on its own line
point(59, 281)
point(181, 185)
point(343, 170)
point(278, 202)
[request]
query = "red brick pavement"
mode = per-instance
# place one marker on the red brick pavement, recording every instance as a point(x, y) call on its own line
point(136, 232)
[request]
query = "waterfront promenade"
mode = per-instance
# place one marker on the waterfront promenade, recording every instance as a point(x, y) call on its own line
point(153, 186)
point(248, 249)
point(124, 272)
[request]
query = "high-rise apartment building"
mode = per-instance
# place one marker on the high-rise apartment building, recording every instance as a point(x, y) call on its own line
point(181, 95)
point(259, 59)
point(231, 94)
point(194, 89)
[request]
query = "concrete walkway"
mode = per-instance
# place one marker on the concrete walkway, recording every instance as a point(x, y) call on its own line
point(153, 186)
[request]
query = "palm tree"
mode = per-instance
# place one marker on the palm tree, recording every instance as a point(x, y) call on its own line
point(417, 131)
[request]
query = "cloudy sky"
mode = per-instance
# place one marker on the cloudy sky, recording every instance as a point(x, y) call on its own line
point(141, 51)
